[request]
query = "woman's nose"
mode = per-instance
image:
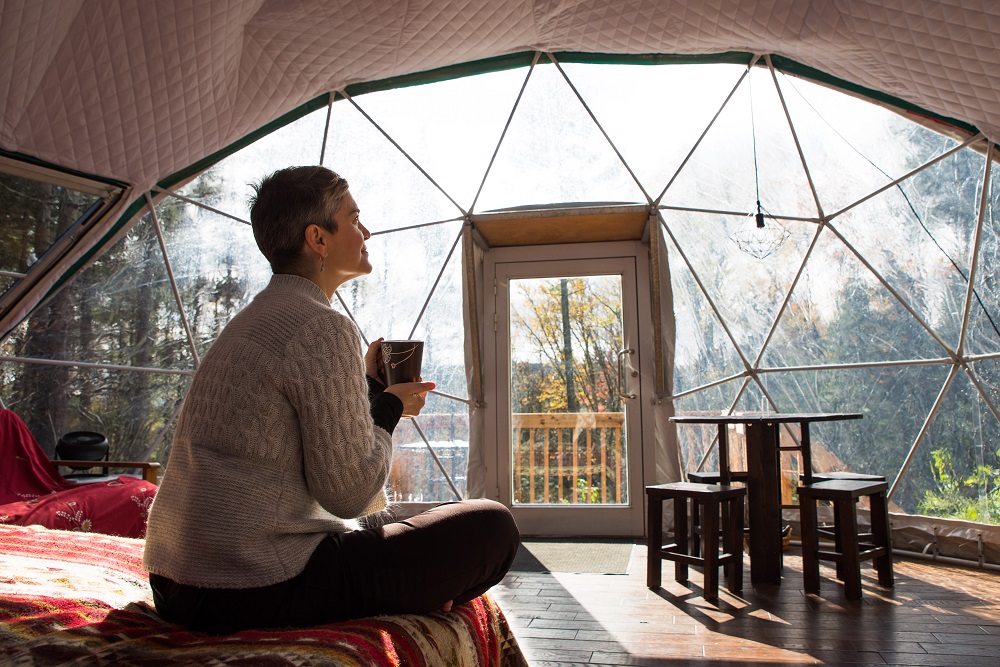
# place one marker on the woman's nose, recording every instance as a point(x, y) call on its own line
point(364, 230)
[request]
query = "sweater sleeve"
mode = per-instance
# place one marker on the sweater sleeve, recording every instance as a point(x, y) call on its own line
point(386, 408)
point(346, 458)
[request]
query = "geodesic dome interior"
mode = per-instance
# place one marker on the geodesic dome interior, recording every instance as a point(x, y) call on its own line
point(863, 132)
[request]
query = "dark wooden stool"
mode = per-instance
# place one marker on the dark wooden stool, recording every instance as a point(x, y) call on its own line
point(710, 499)
point(849, 548)
point(827, 530)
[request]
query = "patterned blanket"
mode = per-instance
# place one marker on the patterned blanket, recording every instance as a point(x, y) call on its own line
point(69, 598)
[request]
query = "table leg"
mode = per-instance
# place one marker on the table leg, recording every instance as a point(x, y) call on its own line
point(654, 539)
point(724, 472)
point(763, 496)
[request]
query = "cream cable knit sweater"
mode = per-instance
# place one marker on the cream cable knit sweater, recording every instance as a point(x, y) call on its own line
point(275, 446)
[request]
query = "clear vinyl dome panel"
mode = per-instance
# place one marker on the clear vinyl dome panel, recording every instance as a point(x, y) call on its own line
point(554, 153)
point(118, 314)
point(653, 115)
point(216, 265)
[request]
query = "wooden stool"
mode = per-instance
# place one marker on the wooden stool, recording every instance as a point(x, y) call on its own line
point(849, 549)
point(709, 499)
point(827, 531)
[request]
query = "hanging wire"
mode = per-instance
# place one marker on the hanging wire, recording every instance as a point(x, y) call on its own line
point(906, 197)
point(755, 238)
point(759, 218)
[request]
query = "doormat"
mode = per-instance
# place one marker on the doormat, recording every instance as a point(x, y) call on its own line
point(588, 555)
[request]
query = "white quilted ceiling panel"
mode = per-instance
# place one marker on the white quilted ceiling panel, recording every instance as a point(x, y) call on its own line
point(139, 90)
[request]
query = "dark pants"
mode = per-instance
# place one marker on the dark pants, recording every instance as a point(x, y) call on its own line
point(456, 551)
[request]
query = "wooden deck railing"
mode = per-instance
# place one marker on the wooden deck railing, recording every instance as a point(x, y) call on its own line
point(571, 458)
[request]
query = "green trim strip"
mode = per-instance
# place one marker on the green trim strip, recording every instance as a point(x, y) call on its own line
point(496, 64)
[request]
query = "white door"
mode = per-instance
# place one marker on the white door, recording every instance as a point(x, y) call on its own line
point(568, 445)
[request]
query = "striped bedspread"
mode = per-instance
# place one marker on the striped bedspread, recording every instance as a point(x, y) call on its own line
point(69, 598)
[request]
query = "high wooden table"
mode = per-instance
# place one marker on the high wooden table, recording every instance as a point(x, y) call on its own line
point(764, 476)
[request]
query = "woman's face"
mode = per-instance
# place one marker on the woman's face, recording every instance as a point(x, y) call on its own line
point(348, 257)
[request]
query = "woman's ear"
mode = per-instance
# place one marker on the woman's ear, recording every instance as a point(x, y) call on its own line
point(315, 239)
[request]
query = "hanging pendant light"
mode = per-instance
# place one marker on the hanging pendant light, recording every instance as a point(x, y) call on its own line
point(759, 235)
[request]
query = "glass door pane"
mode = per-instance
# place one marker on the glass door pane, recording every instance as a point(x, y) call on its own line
point(567, 410)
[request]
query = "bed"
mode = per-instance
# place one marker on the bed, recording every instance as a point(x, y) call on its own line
point(75, 598)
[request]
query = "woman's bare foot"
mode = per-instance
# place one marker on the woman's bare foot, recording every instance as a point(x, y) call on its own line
point(446, 607)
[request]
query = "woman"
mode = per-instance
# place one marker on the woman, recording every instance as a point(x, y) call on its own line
point(285, 438)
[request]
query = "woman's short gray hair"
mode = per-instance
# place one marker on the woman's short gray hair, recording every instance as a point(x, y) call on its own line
point(285, 203)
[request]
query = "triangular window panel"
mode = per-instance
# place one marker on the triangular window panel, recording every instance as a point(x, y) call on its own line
point(845, 141)
point(840, 313)
point(894, 402)
point(703, 352)
point(387, 302)
point(442, 329)
point(748, 291)
point(748, 152)
point(216, 264)
point(653, 114)
point(983, 335)
point(987, 374)
point(953, 471)
point(120, 310)
point(296, 144)
point(553, 152)
point(461, 122)
point(919, 238)
point(390, 191)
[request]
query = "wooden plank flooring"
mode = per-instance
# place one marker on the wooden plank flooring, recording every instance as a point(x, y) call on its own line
point(936, 615)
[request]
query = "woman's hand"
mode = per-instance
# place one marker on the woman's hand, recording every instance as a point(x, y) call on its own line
point(412, 394)
point(374, 367)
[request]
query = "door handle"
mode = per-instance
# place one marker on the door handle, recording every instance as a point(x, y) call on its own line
point(622, 388)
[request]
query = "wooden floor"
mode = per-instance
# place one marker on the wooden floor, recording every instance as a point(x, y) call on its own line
point(936, 615)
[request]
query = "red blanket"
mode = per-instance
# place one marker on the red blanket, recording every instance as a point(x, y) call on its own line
point(73, 598)
point(33, 493)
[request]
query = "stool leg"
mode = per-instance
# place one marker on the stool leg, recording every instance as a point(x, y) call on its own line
point(734, 544)
point(847, 538)
point(696, 528)
point(681, 538)
point(838, 543)
point(882, 537)
point(810, 543)
point(654, 540)
point(710, 548)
